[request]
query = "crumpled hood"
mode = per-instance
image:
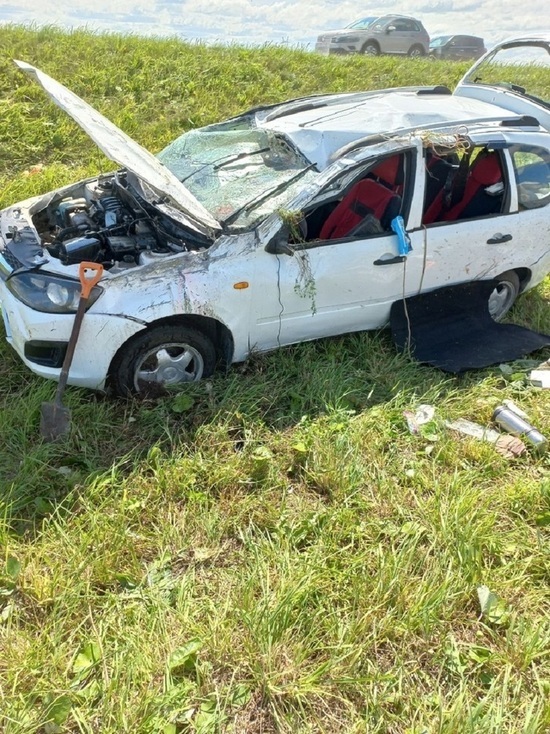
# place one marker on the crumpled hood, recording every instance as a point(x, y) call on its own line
point(122, 149)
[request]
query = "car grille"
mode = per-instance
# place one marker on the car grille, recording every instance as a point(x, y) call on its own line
point(12, 261)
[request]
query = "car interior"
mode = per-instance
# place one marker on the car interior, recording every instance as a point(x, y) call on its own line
point(459, 186)
point(366, 206)
point(465, 187)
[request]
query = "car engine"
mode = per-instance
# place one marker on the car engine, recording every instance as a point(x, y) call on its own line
point(107, 221)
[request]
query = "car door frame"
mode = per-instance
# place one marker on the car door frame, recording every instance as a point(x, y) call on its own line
point(280, 317)
point(487, 246)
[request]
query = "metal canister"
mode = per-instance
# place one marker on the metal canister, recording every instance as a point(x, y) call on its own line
point(519, 426)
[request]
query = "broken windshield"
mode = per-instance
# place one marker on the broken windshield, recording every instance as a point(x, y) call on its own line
point(229, 166)
point(521, 67)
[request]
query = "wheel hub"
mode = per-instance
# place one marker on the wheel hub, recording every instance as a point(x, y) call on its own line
point(169, 364)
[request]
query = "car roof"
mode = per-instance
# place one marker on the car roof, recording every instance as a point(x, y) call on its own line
point(320, 126)
point(458, 35)
point(389, 16)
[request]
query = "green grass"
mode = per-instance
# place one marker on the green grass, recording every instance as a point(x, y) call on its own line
point(282, 555)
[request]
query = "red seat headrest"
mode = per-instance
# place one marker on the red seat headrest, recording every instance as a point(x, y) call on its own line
point(388, 170)
point(486, 170)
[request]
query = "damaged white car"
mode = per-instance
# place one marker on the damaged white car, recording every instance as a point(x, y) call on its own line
point(287, 223)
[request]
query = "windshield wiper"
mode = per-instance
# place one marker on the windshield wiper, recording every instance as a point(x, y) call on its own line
point(224, 161)
point(262, 197)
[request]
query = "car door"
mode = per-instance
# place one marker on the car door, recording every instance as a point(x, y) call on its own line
point(326, 286)
point(463, 48)
point(487, 245)
point(397, 40)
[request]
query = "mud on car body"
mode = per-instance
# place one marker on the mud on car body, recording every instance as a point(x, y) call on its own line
point(278, 226)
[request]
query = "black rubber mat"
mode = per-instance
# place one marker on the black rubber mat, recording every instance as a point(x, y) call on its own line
point(450, 328)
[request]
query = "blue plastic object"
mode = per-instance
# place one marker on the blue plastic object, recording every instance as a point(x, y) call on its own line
point(403, 240)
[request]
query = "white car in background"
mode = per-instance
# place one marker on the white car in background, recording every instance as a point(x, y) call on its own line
point(388, 34)
point(284, 224)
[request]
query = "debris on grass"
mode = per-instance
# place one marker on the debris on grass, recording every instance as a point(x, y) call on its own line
point(509, 446)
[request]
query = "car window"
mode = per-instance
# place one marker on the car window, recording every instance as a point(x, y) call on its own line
point(532, 171)
point(360, 25)
point(239, 173)
point(380, 25)
point(439, 41)
point(520, 67)
point(461, 184)
point(362, 206)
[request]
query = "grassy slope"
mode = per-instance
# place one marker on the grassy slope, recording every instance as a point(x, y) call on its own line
point(282, 555)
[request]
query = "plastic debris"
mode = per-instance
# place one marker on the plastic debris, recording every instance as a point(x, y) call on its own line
point(422, 415)
point(508, 446)
point(540, 378)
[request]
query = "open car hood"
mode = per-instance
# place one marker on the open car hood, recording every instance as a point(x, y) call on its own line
point(120, 148)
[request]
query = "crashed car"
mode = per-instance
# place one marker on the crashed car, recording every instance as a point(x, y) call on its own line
point(287, 223)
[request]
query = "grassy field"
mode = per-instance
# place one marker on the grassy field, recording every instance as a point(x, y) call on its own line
point(275, 553)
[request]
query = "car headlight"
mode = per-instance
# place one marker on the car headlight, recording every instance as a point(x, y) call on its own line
point(49, 293)
point(344, 39)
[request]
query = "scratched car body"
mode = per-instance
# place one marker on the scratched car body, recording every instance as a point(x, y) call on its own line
point(281, 225)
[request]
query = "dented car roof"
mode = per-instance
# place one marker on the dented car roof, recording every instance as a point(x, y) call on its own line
point(326, 124)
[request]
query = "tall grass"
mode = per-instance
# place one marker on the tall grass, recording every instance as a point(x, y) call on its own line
point(281, 555)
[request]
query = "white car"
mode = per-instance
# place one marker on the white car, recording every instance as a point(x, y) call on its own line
point(287, 223)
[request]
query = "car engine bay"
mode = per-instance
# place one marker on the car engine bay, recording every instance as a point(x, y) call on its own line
point(104, 220)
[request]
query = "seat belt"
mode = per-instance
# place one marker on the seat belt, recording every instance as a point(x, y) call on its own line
point(455, 187)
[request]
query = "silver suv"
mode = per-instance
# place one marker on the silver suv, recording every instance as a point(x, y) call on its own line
point(389, 34)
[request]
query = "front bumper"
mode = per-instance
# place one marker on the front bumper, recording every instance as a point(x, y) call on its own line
point(100, 338)
point(328, 48)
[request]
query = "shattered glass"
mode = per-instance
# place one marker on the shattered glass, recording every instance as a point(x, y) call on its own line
point(229, 167)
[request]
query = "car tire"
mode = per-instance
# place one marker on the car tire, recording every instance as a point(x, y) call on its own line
point(371, 48)
point(504, 295)
point(160, 358)
point(415, 52)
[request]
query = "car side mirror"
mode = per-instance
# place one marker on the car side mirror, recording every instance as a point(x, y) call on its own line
point(390, 28)
point(278, 244)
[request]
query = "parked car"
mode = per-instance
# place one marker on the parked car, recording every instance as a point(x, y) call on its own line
point(389, 34)
point(457, 48)
point(281, 225)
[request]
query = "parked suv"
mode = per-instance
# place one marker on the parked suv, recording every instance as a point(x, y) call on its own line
point(389, 34)
point(457, 47)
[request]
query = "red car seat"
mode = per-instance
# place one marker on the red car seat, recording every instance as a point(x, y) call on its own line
point(485, 171)
point(390, 173)
point(473, 200)
point(364, 198)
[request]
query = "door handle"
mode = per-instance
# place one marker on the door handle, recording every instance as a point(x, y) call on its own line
point(391, 260)
point(498, 239)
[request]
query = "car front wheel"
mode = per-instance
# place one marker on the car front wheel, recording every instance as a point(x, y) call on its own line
point(371, 49)
point(504, 295)
point(162, 357)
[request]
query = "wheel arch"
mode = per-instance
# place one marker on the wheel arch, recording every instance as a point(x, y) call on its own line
point(419, 46)
point(215, 330)
point(524, 275)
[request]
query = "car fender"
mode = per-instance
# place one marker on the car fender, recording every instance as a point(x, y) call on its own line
point(213, 284)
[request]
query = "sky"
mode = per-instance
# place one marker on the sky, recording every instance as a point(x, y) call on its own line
point(289, 22)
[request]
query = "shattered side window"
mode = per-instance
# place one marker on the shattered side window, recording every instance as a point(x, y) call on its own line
point(532, 169)
point(228, 167)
